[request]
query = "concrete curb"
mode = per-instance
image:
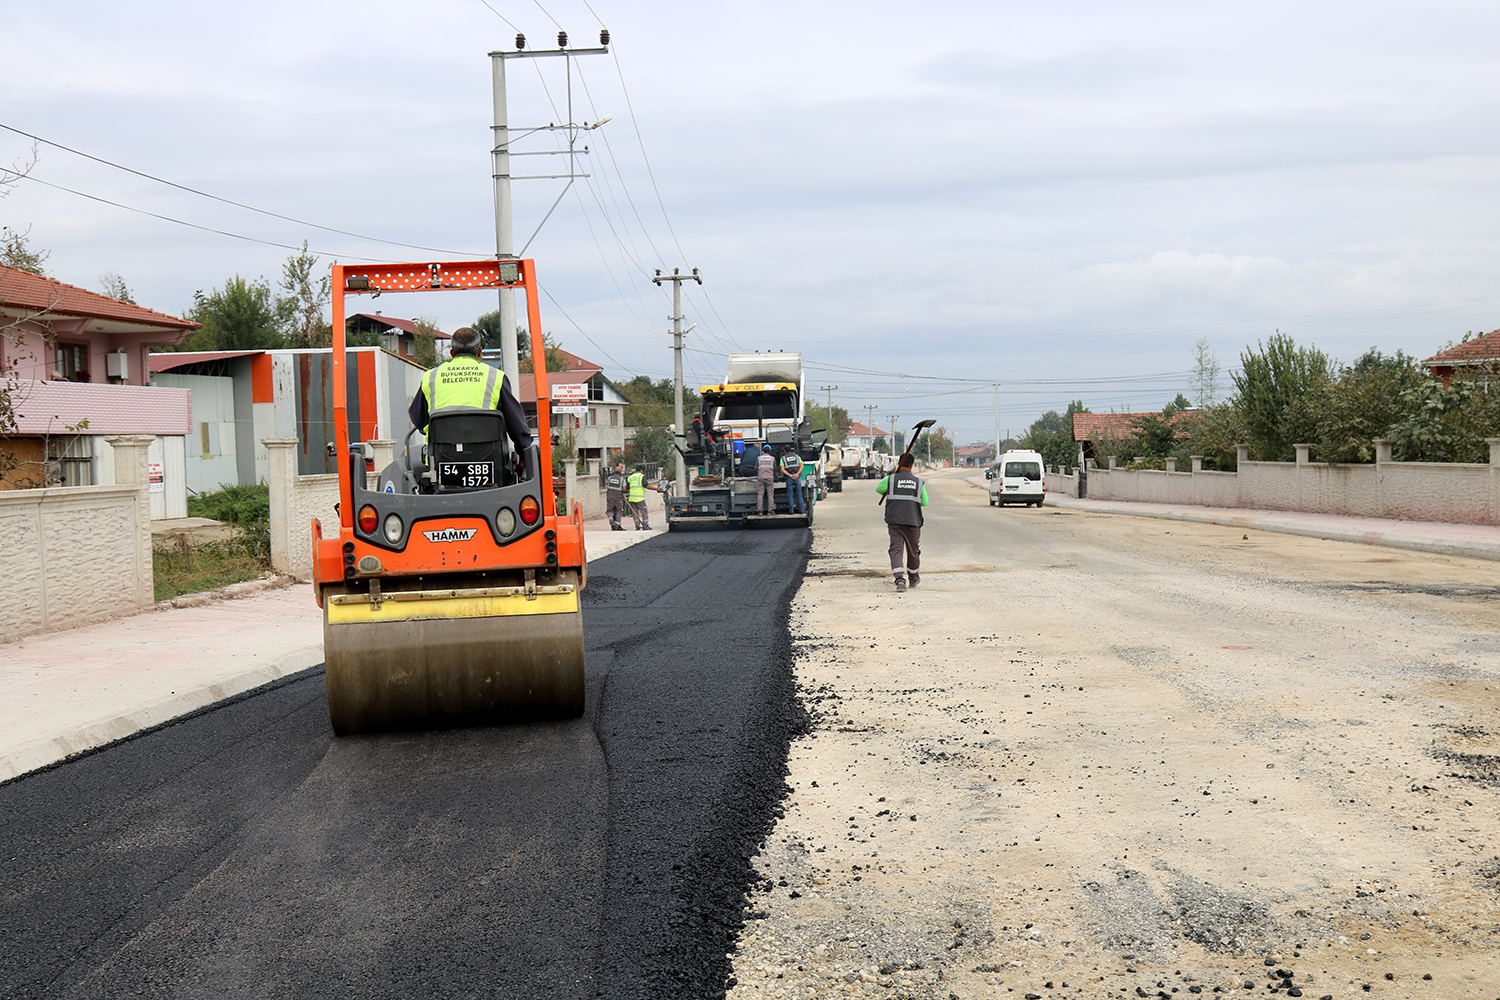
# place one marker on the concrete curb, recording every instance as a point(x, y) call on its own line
point(227, 592)
point(1472, 548)
point(96, 734)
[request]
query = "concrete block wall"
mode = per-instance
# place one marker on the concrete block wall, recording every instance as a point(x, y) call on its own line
point(78, 553)
point(1417, 491)
point(296, 500)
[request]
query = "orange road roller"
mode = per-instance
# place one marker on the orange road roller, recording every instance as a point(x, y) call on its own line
point(450, 594)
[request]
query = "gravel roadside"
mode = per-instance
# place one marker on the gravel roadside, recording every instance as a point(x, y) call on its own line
point(1087, 759)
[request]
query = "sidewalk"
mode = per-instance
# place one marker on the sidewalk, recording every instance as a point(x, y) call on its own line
point(1477, 541)
point(62, 693)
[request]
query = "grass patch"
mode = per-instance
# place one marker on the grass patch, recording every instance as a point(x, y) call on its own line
point(188, 569)
point(184, 567)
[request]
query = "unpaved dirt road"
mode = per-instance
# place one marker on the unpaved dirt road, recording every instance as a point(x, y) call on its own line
point(1105, 756)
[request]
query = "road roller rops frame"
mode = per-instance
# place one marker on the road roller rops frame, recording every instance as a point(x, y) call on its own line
point(450, 595)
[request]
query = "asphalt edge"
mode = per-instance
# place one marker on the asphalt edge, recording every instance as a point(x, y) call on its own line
point(97, 735)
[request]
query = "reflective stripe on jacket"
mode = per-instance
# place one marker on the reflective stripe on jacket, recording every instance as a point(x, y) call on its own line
point(615, 482)
point(904, 494)
point(462, 381)
point(637, 485)
point(791, 464)
point(765, 466)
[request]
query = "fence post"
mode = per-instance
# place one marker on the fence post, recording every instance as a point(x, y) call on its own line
point(385, 454)
point(1494, 444)
point(130, 470)
point(1197, 461)
point(281, 473)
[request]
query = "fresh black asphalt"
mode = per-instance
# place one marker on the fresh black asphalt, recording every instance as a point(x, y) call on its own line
point(244, 851)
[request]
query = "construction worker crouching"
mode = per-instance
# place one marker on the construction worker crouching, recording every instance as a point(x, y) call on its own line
point(905, 496)
point(464, 380)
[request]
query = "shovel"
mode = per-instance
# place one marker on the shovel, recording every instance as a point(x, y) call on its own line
point(912, 439)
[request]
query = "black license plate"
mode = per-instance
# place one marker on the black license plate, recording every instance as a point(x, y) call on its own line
point(466, 475)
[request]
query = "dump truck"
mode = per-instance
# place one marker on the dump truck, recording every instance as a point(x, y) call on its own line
point(758, 404)
point(831, 467)
point(450, 590)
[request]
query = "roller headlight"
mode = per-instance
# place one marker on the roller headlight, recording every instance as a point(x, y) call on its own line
point(393, 528)
point(506, 521)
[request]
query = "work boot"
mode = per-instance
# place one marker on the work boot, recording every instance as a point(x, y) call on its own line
point(913, 579)
point(900, 584)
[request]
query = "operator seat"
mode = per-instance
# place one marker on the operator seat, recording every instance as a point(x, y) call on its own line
point(467, 449)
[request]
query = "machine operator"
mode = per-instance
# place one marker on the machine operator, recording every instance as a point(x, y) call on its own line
point(464, 380)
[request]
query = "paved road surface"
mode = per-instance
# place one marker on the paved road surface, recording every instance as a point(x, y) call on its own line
point(245, 852)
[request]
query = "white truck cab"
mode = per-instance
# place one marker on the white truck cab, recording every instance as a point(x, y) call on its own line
point(1017, 478)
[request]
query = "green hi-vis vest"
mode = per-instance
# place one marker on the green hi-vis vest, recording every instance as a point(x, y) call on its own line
point(637, 484)
point(463, 381)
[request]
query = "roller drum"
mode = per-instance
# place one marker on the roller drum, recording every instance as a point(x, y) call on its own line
point(431, 673)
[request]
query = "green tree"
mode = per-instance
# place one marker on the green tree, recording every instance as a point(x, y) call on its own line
point(837, 424)
point(1051, 435)
point(935, 441)
point(1363, 403)
point(241, 316)
point(651, 402)
point(649, 444)
point(1213, 431)
point(425, 346)
point(880, 443)
point(308, 291)
point(1276, 390)
point(16, 252)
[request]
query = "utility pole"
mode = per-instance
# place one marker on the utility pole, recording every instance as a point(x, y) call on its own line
point(895, 420)
point(829, 389)
point(997, 421)
point(678, 430)
point(500, 155)
point(870, 409)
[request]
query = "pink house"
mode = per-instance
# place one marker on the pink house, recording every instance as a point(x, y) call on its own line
point(75, 364)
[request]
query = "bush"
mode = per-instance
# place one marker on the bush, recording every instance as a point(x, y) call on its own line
point(248, 508)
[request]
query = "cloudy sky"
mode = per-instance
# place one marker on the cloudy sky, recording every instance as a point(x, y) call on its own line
point(926, 200)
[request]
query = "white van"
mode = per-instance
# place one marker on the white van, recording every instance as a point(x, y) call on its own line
point(1017, 478)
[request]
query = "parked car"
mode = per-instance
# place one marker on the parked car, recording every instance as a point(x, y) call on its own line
point(1016, 477)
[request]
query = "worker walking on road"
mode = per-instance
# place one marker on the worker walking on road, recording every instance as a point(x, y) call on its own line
point(614, 497)
point(905, 496)
point(791, 468)
point(765, 478)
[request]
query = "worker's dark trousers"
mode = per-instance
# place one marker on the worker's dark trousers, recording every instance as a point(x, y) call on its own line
point(907, 537)
point(639, 512)
point(765, 496)
point(614, 507)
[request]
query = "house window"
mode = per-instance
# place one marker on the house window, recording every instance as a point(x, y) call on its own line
point(71, 459)
point(596, 389)
point(614, 417)
point(73, 362)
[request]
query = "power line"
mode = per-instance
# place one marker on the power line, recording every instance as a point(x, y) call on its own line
point(226, 201)
point(501, 16)
point(638, 138)
point(194, 225)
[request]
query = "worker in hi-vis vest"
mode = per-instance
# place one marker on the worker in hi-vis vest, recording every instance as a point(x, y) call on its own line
point(635, 495)
point(464, 380)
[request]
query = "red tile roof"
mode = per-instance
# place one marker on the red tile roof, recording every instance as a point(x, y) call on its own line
point(1113, 426)
point(1485, 347)
point(527, 393)
point(857, 429)
point(34, 293)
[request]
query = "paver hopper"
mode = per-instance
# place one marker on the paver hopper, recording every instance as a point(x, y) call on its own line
point(450, 594)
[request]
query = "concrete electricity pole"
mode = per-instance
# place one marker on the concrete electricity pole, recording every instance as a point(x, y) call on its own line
point(870, 409)
point(678, 430)
point(829, 389)
point(895, 421)
point(500, 155)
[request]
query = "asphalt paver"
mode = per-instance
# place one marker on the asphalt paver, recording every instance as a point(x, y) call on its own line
point(243, 850)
